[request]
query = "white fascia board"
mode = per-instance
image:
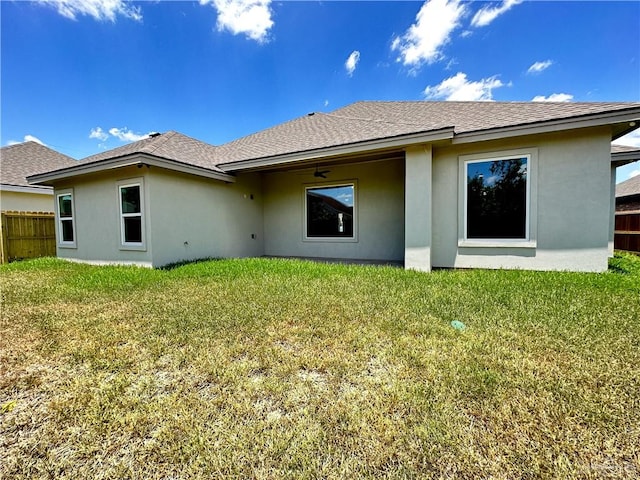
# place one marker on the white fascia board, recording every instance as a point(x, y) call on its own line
point(350, 149)
point(622, 158)
point(597, 120)
point(126, 161)
point(22, 189)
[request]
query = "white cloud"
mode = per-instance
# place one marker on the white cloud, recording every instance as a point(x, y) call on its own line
point(98, 133)
point(634, 173)
point(352, 62)
point(539, 66)
point(27, 138)
point(31, 138)
point(458, 88)
point(632, 139)
point(554, 97)
point(489, 13)
point(126, 135)
point(250, 17)
point(423, 41)
point(98, 9)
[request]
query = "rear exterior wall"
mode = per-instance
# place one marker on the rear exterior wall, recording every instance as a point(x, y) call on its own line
point(571, 204)
point(379, 210)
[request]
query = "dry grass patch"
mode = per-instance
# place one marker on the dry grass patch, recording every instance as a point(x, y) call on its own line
point(289, 369)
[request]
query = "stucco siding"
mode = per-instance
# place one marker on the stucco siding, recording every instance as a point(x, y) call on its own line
point(195, 218)
point(97, 221)
point(379, 212)
point(571, 214)
point(26, 202)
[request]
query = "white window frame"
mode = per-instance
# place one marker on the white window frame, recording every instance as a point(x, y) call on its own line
point(530, 239)
point(61, 243)
point(124, 245)
point(312, 186)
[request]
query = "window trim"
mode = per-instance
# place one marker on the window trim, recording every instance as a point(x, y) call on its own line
point(530, 240)
point(61, 243)
point(344, 183)
point(124, 245)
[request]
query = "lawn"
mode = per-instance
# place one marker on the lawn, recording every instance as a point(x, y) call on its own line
point(265, 368)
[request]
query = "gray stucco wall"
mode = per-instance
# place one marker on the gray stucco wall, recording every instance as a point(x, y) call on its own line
point(379, 205)
point(97, 221)
point(573, 205)
point(195, 218)
point(213, 218)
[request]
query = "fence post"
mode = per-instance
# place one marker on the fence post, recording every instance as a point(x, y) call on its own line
point(4, 249)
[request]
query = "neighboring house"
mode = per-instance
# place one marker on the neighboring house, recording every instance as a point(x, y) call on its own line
point(19, 161)
point(627, 227)
point(428, 184)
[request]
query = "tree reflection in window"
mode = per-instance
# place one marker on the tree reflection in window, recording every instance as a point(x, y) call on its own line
point(330, 211)
point(497, 199)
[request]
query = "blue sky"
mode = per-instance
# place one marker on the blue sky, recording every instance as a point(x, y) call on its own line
point(83, 76)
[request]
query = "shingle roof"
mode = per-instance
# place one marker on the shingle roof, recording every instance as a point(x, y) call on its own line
point(23, 159)
point(366, 121)
point(616, 148)
point(170, 145)
point(357, 123)
point(628, 187)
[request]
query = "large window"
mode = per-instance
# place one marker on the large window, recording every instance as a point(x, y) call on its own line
point(66, 226)
point(330, 212)
point(497, 199)
point(131, 214)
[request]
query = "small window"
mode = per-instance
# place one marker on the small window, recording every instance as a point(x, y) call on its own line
point(66, 226)
point(330, 212)
point(131, 214)
point(496, 199)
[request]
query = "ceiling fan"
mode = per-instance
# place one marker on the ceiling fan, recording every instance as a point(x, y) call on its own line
point(320, 173)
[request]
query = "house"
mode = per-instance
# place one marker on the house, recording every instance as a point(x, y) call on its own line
point(428, 184)
point(19, 161)
point(627, 226)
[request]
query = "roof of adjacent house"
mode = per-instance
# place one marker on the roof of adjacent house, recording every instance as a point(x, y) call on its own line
point(628, 187)
point(29, 158)
point(362, 126)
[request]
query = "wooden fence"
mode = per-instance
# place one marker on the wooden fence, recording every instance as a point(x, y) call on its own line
point(627, 231)
point(27, 235)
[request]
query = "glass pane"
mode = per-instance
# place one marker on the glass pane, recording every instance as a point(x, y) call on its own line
point(330, 211)
point(497, 199)
point(130, 199)
point(66, 230)
point(133, 229)
point(64, 205)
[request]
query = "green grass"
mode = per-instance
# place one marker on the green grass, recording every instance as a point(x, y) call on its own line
point(264, 368)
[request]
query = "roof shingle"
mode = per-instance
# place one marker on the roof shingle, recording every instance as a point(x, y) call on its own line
point(29, 158)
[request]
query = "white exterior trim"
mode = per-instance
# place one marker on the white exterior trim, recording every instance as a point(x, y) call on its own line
point(137, 159)
point(124, 245)
point(60, 242)
point(529, 241)
point(22, 189)
point(360, 147)
point(345, 183)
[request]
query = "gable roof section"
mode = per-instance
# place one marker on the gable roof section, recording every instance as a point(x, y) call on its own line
point(171, 150)
point(375, 124)
point(24, 159)
point(628, 188)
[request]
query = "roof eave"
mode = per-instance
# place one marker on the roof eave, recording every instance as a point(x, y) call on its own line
point(594, 120)
point(347, 149)
point(135, 159)
point(26, 189)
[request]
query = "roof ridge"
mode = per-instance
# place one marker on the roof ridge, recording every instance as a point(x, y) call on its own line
point(157, 142)
point(378, 120)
